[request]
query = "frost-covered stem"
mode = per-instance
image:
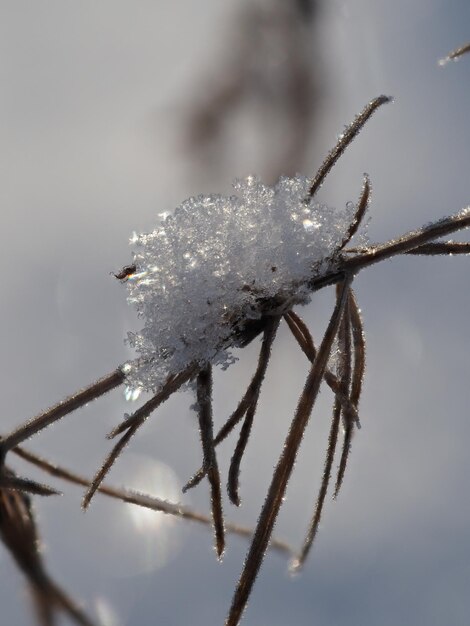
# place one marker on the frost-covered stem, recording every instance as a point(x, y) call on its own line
point(305, 341)
point(19, 534)
point(359, 347)
point(9, 480)
point(233, 481)
point(204, 401)
point(344, 371)
point(346, 449)
point(410, 240)
point(77, 400)
point(285, 465)
point(360, 212)
point(444, 247)
point(345, 140)
point(172, 384)
point(429, 249)
point(143, 500)
point(356, 388)
point(133, 423)
point(234, 470)
point(455, 54)
point(345, 350)
point(401, 245)
point(249, 398)
point(108, 463)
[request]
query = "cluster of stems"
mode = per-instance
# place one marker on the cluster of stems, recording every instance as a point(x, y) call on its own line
point(344, 330)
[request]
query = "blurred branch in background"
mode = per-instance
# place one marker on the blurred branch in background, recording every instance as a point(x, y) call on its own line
point(19, 534)
point(262, 97)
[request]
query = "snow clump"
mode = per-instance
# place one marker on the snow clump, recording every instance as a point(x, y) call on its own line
point(219, 262)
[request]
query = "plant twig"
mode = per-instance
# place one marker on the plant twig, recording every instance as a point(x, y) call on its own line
point(284, 467)
point(172, 384)
point(428, 249)
point(345, 140)
point(249, 398)
point(234, 470)
point(9, 480)
point(361, 209)
point(401, 245)
point(73, 402)
point(143, 500)
point(132, 424)
point(305, 341)
point(455, 54)
point(344, 371)
point(211, 469)
point(18, 531)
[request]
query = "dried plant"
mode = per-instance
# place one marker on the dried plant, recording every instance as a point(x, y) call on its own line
point(455, 54)
point(19, 534)
point(344, 327)
point(266, 68)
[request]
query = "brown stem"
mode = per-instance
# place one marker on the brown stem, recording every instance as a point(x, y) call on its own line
point(346, 138)
point(344, 370)
point(401, 245)
point(284, 467)
point(204, 401)
point(305, 341)
point(234, 470)
point(172, 384)
point(360, 212)
point(77, 400)
point(249, 397)
point(143, 500)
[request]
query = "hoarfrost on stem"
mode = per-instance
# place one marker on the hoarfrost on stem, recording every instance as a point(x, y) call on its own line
point(220, 261)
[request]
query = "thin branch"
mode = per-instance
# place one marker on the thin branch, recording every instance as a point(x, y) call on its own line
point(348, 433)
point(455, 54)
point(9, 480)
point(361, 209)
point(284, 467)
point(172, 384)
point(344, 371)
point(143, 500)
point(401, 245)
point(233, 481)
point(305, 341)
point(356, 387)
point(19, 534)
point(249, 397)
point(410, 240)
point(345, 139)
point(429, 249)
point(133, 423)
point(73, 402)
point(108, 463)
point(234, 470)
point(345, 352)
point(445, 247)
point(204, 401)
point(359, 346)
point(302, 334)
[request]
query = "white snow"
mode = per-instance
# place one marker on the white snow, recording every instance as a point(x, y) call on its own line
point(219, 261)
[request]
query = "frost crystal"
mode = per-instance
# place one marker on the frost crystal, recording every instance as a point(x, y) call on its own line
point(219, 262)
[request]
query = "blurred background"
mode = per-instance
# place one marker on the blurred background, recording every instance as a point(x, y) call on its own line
point(114, 112)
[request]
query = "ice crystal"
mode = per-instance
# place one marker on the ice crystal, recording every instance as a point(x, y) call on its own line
point(220, 261)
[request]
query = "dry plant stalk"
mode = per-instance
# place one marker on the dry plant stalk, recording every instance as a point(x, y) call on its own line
point(345, 326)
point(287, 92)
point(455, 54)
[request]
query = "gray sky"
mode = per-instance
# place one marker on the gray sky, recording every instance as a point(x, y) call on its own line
point(92, 113)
